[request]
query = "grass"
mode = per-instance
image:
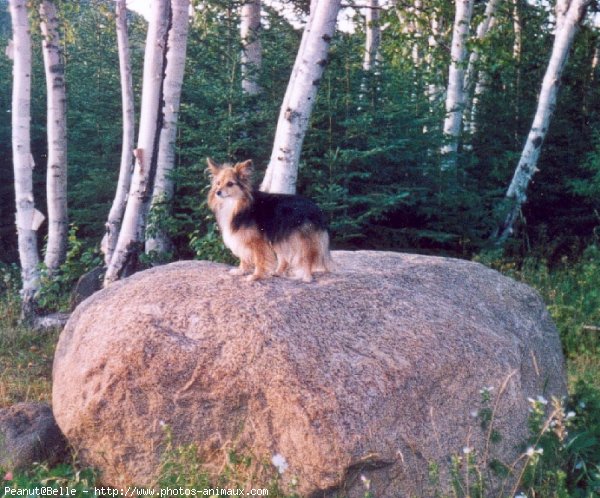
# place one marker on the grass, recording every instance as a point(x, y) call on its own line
point(568, 466)
point(25, 359)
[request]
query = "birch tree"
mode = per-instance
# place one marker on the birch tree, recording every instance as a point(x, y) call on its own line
point(28, 219)
point(570, 14)
point(117, 209)
point(372, 55)
point(162, 195)
point(282, 171)
point(56, 175)
point(131, 236)
point(474, 80)
point(455, 97)
point(251, 60)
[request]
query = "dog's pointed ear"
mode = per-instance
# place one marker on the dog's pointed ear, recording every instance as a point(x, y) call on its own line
point(245, 169)
point(213, 167)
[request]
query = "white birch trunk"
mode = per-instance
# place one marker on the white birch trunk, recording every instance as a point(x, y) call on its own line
point(282, 172)
point(371, 56)
point(518, 30)
point(433, 90)
point(27, 217)
point(251, 60)
point(516, 194)
point(373, 36)
point(56, 176)
point(162, 195)
point(117, 209)
point(472, 76)
point(455, 97)
point(131, 235)
point(483, 81)
point(517, 49)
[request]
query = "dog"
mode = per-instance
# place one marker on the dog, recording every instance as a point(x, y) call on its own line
point(278, 234)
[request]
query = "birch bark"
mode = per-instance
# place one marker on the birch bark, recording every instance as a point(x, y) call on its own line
point(159, 240)
point(282, 171)
point(117, 209)
point(251, 60)
point(455, 98)
point(56, 176)
point(373, 36)
point(131, 236)
point(473, 78)
point(28, 219)
point(567, 26)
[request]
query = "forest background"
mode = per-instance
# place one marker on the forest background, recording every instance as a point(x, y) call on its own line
point(371, 157)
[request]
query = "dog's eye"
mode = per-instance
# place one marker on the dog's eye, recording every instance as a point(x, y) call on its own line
point(230, 184)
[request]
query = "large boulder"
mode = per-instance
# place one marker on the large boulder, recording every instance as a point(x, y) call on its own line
point(372, 371)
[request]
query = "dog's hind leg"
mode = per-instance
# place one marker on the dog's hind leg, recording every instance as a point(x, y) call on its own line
point(282, 266)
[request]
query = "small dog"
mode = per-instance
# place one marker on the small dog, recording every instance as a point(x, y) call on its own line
point(287, 233)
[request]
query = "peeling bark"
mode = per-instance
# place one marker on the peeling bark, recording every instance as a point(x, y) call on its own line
point(27, 217)
point(131, 236)
point(282, 172)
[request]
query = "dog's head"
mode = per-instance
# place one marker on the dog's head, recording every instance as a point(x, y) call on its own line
point(229, 182)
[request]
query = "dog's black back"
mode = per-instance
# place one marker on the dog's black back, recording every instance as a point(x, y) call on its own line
point(279, 215)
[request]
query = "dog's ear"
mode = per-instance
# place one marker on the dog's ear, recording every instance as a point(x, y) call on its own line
point(213, 167)
point(244, 170)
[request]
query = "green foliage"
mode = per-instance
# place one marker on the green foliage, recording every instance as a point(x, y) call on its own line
point(370, 156)
point(560, 459)
point(78, 482)
point(56, 287)
point(25, 355)
point(571, 292)
point(181, 467)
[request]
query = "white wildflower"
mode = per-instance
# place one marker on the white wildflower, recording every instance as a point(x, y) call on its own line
point(486, 390)
point(570, 415)
point(279, 462)
point(467, 450)
point(542, 400)
point(366, 482)
point(474, 414)
point(532, 451)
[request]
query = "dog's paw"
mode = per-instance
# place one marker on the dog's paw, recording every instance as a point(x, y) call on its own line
point(253, 278)
point(236, 272)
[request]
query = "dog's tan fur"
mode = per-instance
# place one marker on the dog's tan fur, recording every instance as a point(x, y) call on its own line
point(305, 251)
